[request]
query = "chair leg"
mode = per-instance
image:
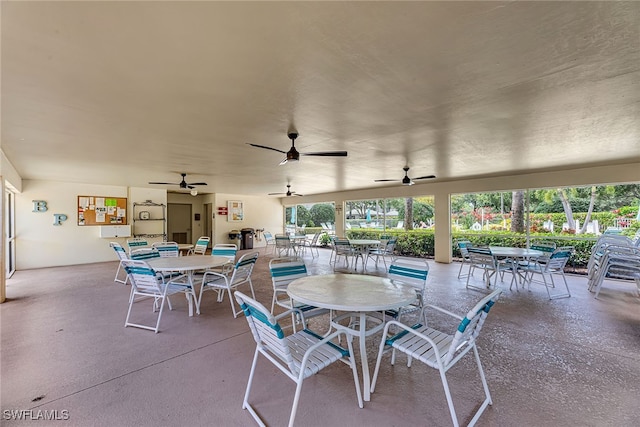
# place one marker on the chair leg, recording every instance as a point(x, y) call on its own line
point(447, 393)
point(487, 400)
point(354, 370)
point(296, 399)
point(245, 404)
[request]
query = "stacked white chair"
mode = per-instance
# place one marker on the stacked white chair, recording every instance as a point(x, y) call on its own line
point(298, 356)
point(616, 260)
point(440, 350)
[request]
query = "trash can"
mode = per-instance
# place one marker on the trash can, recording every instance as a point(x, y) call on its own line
point(246, 241)
point(234, 236)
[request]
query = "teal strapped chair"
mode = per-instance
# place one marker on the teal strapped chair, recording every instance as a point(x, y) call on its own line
point(299, 355)
point(412, 272)
point(284, 246)
point(167, 249)
point(147, 283)
point(137, 243)
point(221, 282)
point(463, 247)
point(440, 350)
point(547, 268)
point(200, 248)
point(270, 242)
point(284, 271)
point(122, 255)
point(386, 249)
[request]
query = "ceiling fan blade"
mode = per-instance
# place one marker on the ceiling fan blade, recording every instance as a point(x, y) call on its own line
point(197, 183)
point(283, 161)
point(268, 148)
point(165, 183)
point(327, 154)
point(296, 194)
point(275, 194)
point(425, 177)
point(386, 180)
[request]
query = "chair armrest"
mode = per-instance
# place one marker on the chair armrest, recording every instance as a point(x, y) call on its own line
point(291, 311)
point(213, 273)
point(410, 330)
point(442, 310)
point(319, 344)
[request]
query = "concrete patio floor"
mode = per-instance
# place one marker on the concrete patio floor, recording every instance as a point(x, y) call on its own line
point(566, 362)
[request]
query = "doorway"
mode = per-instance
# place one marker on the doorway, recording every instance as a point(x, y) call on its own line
point(179, 223)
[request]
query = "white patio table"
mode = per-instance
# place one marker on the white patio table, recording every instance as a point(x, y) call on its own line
point(362, 245)
point(513, 255)
point(187, 265)
point(357, 294)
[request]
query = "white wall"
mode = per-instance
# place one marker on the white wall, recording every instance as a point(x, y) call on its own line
point(41, 244)
point(259, 212)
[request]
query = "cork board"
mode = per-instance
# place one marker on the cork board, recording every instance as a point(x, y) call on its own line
point(101, 210)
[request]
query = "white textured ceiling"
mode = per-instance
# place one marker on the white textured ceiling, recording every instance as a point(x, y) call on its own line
point(123, 93)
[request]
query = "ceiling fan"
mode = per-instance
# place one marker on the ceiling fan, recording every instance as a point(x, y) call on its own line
point(406, 180)
point(294, 155)
point(183, 184)
point(288, 193)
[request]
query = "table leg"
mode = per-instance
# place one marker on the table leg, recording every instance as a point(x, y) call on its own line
point(363, 357)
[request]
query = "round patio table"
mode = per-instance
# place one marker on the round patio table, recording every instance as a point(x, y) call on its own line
point(356, 294)
point(187, 265)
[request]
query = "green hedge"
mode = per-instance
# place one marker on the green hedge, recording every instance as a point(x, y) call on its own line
point(421, 243)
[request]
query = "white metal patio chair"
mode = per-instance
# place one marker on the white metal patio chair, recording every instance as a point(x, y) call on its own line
point(441, 350)
point(412, 272)
point(270, 242)
point(122, 255)
point(284, 246)
point(547, 268)
point(147, 283)
point(463, 247)
point(284, 271)
point(167, 249)
point(311, 244)
point(230, 281)
point(298, 356)
point(137, 243)
point(200, 248)
point(386, 249)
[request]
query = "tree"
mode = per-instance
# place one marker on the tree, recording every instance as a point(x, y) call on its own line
point(571, 223)
point(322, 212)
point(408, 213)
point(517, 211)
point(589, 211)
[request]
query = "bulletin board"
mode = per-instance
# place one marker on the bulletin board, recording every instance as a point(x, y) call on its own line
point(100, 210)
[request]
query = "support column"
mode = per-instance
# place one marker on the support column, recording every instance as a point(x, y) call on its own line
point(442, 202)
